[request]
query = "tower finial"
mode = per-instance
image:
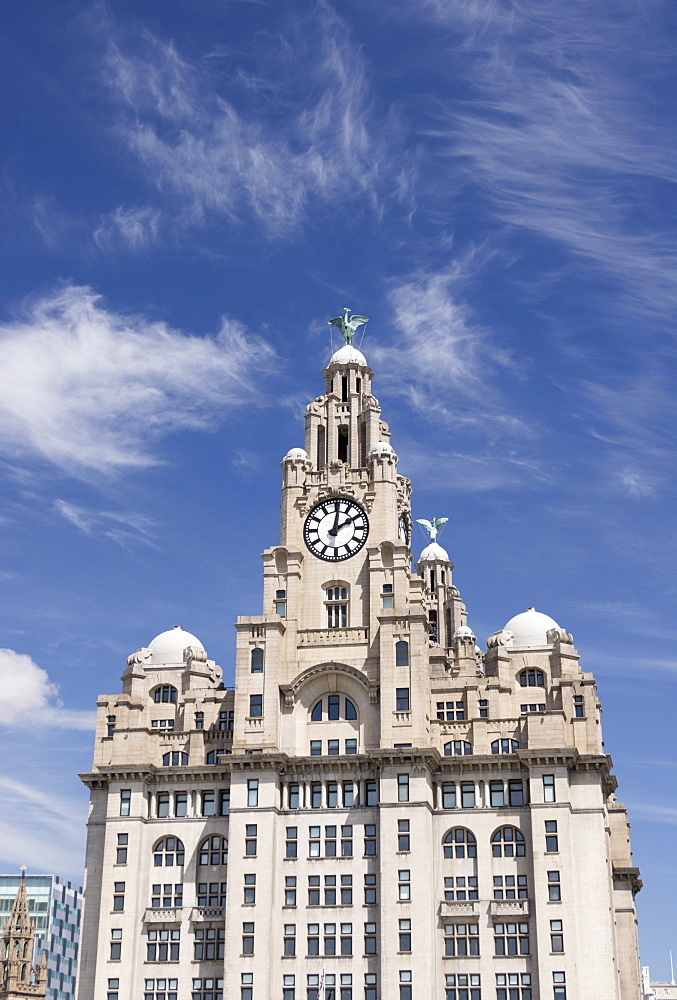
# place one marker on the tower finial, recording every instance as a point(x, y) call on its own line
point(348, 324)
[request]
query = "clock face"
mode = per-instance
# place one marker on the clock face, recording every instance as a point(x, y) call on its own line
point(336, 529)
point(403, 529)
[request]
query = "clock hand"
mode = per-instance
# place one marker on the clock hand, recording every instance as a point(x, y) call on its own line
point(334, 529)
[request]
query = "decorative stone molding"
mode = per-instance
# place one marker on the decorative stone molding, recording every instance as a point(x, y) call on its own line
point(450, 909)
point(290, 691)
point(501, 638)
point(556, 635)
point(195, 654)
point(140, 657)
point(509, 908)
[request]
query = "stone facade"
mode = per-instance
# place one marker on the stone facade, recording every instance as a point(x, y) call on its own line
point(378, 810)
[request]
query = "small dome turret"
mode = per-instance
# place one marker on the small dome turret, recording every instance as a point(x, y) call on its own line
point(346, 354)
point(297, 455)
point(464, 632)
point(434, 552)
point(381, 448)
point(168, 647)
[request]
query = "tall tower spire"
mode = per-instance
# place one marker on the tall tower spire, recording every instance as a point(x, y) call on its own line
point(19, 978)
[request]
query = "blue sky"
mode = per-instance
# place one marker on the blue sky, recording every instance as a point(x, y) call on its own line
point(189, 190)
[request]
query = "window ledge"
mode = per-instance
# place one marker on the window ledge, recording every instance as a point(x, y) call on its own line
point(509, 907)
point(452, 908)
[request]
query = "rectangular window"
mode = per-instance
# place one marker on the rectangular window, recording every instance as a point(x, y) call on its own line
point(511, 939)
point(113, 985)
point(549, 788)
point(404, 885)
point(403, 836)
point(313, 939)
point(293, 796)
point(333, 748)
point(180, 804)
point(246, 990)
point(346, 890)
point(351, 747)
point(371, 794)
point(255, 706)
point(316, 748)
point(346, 841)
point(208, 946)
point(467, 795)
point(462, 981)
point(290, 890)
point(370, 890)
point(515, 793)
point(405, 985)
point(250, 840)
point(332, 794)
point(510, 887)
point(208, 803)
point(291, 842)
point(116, 944)
point(313, 890)
point(370, 839)
point(119, 896)
point(253, 792)
point(551, 838)
point(402, 699)
point(556, 936)
point(496, 796)
point(554, 888)
point(370, 986)
point(348, 794)
point(121, 856)
point(249, 890)
point(289, 940)
point(330, 841)
point(248, 938)
point(559, 990)
point(160, 989)
point(125, 801)
point(405, 934)
point(370, 939)
point(402, 787)
point(513, 986)
point(461, 940)
point(209, 893)
point(484, 708)
point(166, 895)
point(314, 844)
point(224, 802)
point(461, 888)
point(163, 946)
point(578, 706)
point(448, 796)
point(199, 720)
point(316, 796)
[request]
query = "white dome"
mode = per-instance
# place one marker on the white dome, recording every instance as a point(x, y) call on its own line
point(347, 353)
point(432, 552)
point(168, 647)
point(297, 453)
point(382, 448)
point(530, 628)
point(463, 632)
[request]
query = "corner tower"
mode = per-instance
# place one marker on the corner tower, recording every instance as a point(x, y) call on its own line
point(19, 977)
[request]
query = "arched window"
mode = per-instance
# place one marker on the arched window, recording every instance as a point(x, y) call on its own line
point(166, 692)
point(508, 842)
point(336, 603)
point(257, 660)
point(532, 678)
point(460, 843)
point(169, 851)
point(505, 746)
point(332, 708)
point(457, 748)
point(176, 758)
point(213, 851)
point(402, 653)
point(215, 756)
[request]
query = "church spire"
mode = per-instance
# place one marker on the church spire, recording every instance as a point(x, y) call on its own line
point(19, 978)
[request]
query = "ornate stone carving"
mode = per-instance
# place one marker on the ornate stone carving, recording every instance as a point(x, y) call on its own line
point(195, 654)
point(501, 638)
point(140, 657)
point(559, 635)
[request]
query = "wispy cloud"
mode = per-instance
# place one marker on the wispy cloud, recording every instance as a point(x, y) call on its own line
point(28, 696)
point(121, 527)
point(652, 813)
point(128, 229)
point(265, 143)
point(91, 390)
point(39, 829)
point(554, 135)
